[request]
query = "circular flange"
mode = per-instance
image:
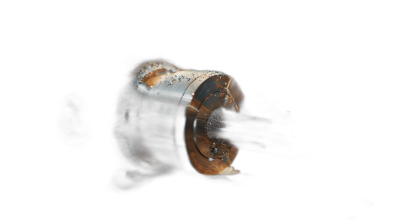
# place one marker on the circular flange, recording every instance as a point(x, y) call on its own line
point(210, 156)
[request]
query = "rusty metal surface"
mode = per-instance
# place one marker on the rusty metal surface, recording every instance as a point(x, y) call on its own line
point(198, 94)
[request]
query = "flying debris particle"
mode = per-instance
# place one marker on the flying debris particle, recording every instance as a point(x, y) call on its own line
point(228, 171)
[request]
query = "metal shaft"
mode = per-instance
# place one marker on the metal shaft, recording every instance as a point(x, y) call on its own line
point(184, 118)
point(165, 95)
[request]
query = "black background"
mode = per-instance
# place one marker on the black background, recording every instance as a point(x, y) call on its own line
point(316, 74)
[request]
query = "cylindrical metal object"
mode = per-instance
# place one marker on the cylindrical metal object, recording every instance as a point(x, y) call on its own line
point(169, 105)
